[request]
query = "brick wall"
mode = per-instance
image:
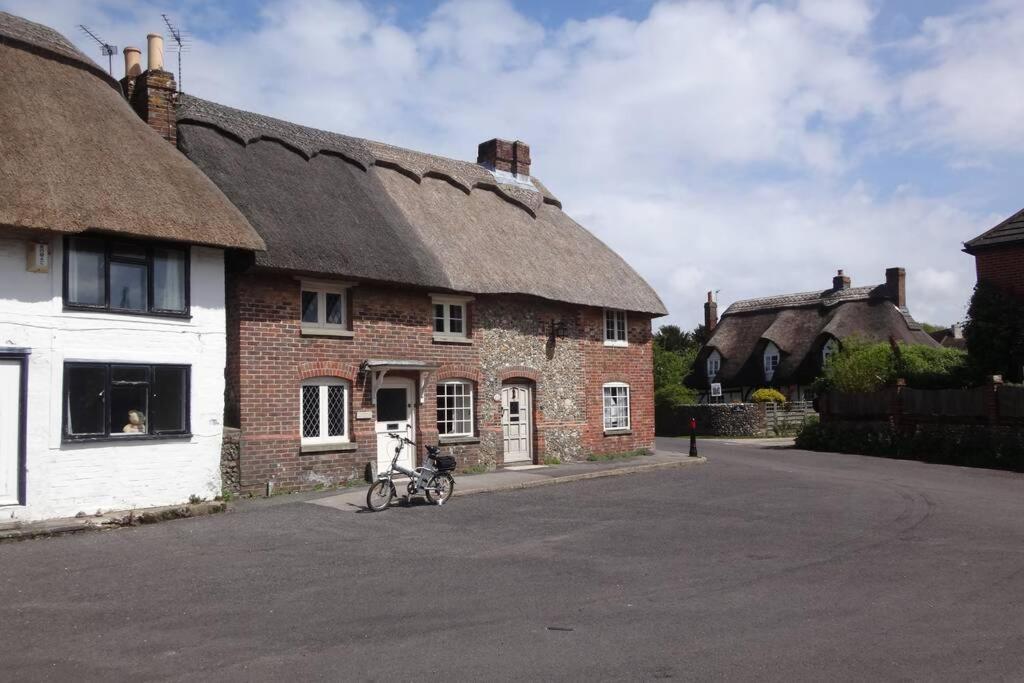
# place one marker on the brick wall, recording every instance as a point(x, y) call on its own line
point(268, 357)
point(1002, 268)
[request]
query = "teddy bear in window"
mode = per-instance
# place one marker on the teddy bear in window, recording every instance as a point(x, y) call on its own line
point(136, 423)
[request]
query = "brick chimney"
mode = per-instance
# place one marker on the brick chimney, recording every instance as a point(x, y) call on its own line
point(840, 281)
point(153, 92)
point(710, 314)
point(502, 155)
point(896, 285)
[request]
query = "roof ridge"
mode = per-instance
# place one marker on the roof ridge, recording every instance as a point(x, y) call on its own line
point(249, 127)
point(40, 37)
point(827, 296)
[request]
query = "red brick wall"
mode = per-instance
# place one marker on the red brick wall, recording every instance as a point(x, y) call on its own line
point(268, 357)
point(633, 365)
point(1002, 267)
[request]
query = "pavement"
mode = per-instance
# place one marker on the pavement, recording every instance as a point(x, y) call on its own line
point(527, 476)
point(765, 563)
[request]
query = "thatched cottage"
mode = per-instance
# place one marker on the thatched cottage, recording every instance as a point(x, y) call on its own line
point(112, 319)
point(783, 341)
point(452, 301)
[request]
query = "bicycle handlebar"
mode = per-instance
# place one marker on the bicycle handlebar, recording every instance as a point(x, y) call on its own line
point(401, 438)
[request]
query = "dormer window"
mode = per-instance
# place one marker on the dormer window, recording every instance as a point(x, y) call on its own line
point(771, 361)
point(830, 348)
point(615, 327)
point(714, 364)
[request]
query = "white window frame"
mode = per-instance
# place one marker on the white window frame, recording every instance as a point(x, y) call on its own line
point(447, 301)
point(714, 365)
point(470, 395)
point(771, 351)
point(324, 438)
point(605, 407)
point(321, 326)
point(829, 349)
point(618, 316)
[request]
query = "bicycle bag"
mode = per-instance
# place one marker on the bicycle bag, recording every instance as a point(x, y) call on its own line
point(444, 463)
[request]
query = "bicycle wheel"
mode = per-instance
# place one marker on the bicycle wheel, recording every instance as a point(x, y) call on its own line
point(440, 488)
point(379, 496)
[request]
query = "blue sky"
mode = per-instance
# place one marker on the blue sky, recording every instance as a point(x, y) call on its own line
point(746, 147)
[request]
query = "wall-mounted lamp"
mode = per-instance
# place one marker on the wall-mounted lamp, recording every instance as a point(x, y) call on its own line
point(556, 328)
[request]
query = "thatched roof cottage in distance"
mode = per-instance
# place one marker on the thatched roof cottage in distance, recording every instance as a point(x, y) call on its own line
point(452, 301)
point(783, 341)
point(112, 320)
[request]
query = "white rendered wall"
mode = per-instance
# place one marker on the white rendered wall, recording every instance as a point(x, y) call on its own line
point(64, 479)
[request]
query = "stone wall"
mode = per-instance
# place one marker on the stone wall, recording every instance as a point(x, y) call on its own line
point(720, 419)
point(229, 472)
point(509, 341)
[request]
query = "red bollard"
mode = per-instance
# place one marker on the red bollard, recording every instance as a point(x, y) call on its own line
point(693, 437)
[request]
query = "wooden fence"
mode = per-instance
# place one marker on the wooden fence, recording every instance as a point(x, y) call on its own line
point(992, 404)
point(788, 416)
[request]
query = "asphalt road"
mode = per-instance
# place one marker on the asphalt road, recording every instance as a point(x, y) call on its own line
point(762, 564)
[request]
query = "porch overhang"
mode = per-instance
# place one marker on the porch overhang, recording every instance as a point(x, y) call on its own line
point(378, 368)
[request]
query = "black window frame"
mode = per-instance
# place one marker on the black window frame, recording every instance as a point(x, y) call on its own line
point(110, 244)
point(184, 433)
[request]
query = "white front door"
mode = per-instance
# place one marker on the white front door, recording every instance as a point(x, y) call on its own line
point(516, 422)
point(396, 414)
point(10, 430)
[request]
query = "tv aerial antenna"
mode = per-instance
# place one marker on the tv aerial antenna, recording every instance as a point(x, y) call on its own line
point(181, 41)
point(106, 48)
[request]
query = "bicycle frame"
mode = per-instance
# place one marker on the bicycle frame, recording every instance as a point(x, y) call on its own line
point(418, 477)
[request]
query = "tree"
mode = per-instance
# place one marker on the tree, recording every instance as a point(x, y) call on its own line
point(670, 370)
point(995, 333)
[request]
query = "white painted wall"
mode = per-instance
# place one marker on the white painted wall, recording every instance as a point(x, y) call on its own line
point(64, 479)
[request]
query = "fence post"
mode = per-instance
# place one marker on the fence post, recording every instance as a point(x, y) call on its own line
point(992, 399)
point(897, 408)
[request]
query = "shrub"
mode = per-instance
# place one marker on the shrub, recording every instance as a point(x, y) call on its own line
point(767, 396)
point(670, 368)
point(865, 367)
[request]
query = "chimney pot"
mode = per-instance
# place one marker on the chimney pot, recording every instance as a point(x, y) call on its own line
point(840, 281)
point(132, 62)
point(896, 284)
point(155, 48)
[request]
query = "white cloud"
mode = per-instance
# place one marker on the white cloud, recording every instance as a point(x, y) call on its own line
point(967, 93)
point(714, 144)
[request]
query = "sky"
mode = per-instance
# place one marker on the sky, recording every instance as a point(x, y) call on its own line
point(747, 148)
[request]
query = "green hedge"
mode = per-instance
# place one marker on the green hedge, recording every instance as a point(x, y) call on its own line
point(965, 445)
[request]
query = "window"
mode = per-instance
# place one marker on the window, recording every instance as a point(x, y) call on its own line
point(449, 317)
point(324, 308)
point(122, 401)
point(616, 406)
point(455, 408)
point(828, 350)
point(714, 365)
point(125, 277)
point(771, 361)
point(614, 327)
point(323, 405)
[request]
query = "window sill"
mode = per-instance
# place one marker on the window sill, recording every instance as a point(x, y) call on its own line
point(338, 447)
point(115, 313)
point(616, 344)
point(127, 438)
point(451, 339)
point(618, 432)
point(453, 440)
point(326, 332)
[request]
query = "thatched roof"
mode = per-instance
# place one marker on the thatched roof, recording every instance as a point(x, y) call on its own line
point(74, 156)
point(337, 205)
point(800, 325)
point(1010, 231)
